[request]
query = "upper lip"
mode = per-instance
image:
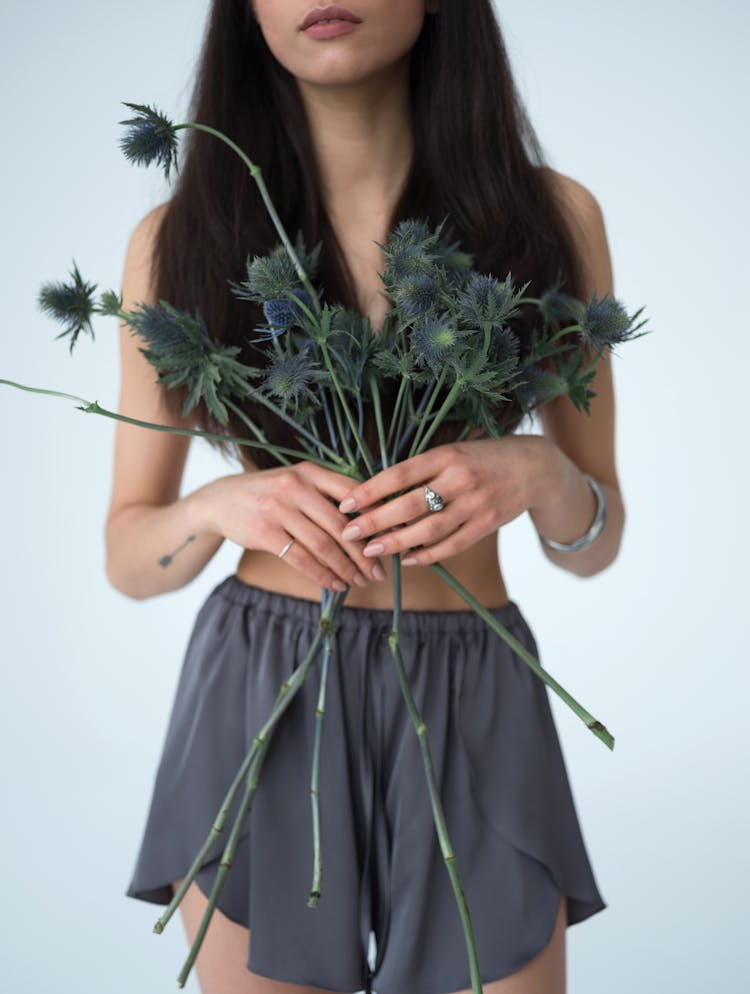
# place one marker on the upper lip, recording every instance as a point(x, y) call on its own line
point(323, 13)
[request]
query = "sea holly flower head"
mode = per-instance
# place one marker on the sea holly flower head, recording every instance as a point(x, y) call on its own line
point(289, 378)
point(70, 303)
point(282, 314)
point(485, 299)
point(274, 276)
point(415, 295)
point(149, 137)
point(605, 322)
point(436, 340)
point(504, 344)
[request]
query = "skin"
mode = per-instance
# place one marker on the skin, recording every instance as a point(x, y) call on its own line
point(355, 92)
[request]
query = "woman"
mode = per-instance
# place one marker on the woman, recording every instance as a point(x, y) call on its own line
point(409, 110)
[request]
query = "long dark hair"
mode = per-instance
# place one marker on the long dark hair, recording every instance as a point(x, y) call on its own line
point(476, 159)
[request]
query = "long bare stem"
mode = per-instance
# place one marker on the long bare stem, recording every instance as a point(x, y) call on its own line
point(317, 884)
point(288, 689)
point(446, 847)
point(591, 723)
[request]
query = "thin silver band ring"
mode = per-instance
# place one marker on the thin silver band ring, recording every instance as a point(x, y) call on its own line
point(286, 548)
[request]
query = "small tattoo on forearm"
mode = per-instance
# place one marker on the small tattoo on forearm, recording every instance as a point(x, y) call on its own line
point(166, 560)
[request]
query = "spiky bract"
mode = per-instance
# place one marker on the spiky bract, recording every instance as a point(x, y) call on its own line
point(184, 354)
point(149, 137)
point(70, 303)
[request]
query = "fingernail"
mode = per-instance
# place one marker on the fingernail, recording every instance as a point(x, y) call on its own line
point(409, 561)
point(351, 531)
point(374, 550)
point(378, 572)
point(338, 585)
point(347, 505)
point(360, 580)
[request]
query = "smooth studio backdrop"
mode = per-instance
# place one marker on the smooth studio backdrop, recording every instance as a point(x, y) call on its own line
point(646, 105)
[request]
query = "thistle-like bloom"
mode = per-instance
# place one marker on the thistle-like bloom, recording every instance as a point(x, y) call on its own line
point(415, 295)
point(289, 379)
point(435, 340)
point(283, 314)
point(486, 299)
point(150, 137)
point(274, 276)
point(605, 323)
point(504, 344)
point(70, 303)
point(184, 354)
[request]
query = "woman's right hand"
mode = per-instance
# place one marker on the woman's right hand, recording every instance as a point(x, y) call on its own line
point(264, 509)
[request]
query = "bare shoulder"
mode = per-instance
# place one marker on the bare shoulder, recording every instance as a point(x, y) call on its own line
point(138, 270)
point(587, 226)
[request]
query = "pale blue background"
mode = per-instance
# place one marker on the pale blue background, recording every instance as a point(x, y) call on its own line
point(644, 103)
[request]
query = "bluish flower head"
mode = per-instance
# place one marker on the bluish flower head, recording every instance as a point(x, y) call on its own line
point(149, 137)
point(435, 340)
point(411, 248)
point(171, 333)
point(605, 323)
point(415, 295)
point(289, 378)
point(70, 303)
point(283, 314)
point(486, 299)
point(274, 276)
point(504, 344)
point(539, 386)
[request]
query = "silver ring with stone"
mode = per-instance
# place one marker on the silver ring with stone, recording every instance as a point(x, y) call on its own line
point(434, 500)
point(286, 548)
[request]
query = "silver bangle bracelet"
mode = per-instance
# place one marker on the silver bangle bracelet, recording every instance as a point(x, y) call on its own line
point(594, 531)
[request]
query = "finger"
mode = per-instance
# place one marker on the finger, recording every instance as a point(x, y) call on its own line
point(302, 559)
point(325, 548)
point(429, 529)
point(325, 515)
point(463, 538)
point(390, 514)
point(401, 476)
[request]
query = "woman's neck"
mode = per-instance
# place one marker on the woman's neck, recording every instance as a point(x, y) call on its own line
point(363, 143)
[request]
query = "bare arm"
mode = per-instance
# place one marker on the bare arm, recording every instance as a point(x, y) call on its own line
point(147, 519)
point(575, 443)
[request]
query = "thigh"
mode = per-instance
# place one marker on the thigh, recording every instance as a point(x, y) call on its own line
point(544, 973)
point(221, 963)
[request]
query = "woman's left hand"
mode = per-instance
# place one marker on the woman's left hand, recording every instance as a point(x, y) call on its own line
point(484, 483)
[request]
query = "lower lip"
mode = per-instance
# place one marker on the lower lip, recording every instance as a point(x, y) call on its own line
point(332, 30)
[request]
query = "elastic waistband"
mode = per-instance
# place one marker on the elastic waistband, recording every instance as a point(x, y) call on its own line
point(240, 592)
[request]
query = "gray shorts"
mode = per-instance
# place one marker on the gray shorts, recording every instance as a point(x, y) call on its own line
point(497, 762)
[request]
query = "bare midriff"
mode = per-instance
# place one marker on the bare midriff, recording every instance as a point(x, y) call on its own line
point(422, 589)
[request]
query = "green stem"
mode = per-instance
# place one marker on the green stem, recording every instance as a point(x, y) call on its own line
point(379, 422)
point(591, 723)
point(397, 409)
point(420, 727)
point(258, 432)
point(447, 404)
point(428, 410)
point(249, 769)
point(345, 408)
point(93, 407)
point(256, 173)
point(317, 884)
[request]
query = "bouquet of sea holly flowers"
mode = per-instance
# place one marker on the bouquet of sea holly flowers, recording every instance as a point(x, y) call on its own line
point(449, 344)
